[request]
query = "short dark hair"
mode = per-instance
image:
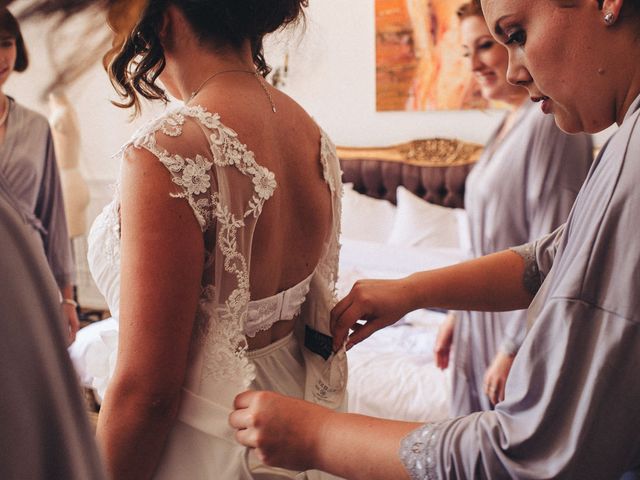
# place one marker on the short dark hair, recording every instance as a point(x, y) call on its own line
point(9, 25)
point(135, 64)
point(470, 9)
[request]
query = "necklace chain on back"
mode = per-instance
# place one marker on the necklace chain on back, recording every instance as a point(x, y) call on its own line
point(251, 72)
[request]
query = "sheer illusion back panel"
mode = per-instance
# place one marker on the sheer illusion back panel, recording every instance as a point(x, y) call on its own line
point(294, 223)
point(291, 232)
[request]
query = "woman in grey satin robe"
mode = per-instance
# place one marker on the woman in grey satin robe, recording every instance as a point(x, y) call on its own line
point(28, 166)
point(572, 401)
point(523, 187)
point(44, 432)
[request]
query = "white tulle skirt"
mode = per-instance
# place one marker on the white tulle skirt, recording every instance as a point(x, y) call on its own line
point(94, 354)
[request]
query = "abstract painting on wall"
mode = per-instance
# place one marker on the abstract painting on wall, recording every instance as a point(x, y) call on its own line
point(419, 62)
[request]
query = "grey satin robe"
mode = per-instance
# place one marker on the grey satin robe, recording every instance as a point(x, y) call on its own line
point(28, 165)
point(572, 405)
point(44, 433)
point(522, 188)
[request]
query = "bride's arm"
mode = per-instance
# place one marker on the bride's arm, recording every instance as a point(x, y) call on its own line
point(162, 261)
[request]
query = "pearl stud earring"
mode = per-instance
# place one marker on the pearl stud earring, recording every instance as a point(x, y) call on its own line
point(609, 19)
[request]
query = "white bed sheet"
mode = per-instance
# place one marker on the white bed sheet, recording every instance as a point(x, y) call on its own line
point(392, 374)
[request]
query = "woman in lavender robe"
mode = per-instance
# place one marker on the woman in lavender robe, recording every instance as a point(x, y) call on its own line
point(523, 187)
point(28, 166)
point(571, 407)
point(44, 432)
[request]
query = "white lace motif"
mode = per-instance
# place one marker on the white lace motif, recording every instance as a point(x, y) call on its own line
point(283, 306)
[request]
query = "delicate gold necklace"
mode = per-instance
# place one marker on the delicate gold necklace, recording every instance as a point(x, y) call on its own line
point(251, 72)
point(5, 113)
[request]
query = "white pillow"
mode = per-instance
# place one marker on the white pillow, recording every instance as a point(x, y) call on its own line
point(366, 218)
point(422, 224)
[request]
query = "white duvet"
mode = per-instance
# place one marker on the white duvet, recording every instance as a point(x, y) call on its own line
point(392, 374)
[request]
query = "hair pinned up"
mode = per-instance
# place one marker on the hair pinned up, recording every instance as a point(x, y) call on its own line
point(137, 60)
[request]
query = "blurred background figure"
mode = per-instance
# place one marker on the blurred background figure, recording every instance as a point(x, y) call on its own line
point(66, 140)
point(45, 434)
point(28, 167)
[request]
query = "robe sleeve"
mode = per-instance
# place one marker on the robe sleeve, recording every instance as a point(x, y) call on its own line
point(557, 167)
point(571, 407)
point(50, 211)
point(515, 331)
point(538, 257)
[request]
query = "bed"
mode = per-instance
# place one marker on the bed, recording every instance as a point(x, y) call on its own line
point(402, 212)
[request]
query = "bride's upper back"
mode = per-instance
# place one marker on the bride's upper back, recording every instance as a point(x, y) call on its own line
point(296, 220)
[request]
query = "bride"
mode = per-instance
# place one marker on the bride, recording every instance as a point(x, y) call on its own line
point(218, 256)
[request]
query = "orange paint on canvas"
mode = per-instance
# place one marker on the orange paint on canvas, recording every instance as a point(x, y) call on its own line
point(419, 63)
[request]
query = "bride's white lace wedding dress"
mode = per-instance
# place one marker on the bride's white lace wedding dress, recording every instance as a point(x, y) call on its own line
point(226, 188)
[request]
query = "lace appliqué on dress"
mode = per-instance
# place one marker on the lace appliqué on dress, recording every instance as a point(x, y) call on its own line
point(225, 346)
point(531, 279)
point(328, 269)
point(261, 318)
point(417, 452)
point(192, 175)
point(220, 321)
point(111, 220)
point(285, 305)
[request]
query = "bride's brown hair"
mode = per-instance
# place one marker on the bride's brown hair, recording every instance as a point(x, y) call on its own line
point(137, 58)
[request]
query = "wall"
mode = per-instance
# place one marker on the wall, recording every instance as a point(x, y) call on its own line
point(332, 74)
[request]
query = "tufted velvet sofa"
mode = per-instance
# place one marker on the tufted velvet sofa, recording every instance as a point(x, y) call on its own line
point(434, 169)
